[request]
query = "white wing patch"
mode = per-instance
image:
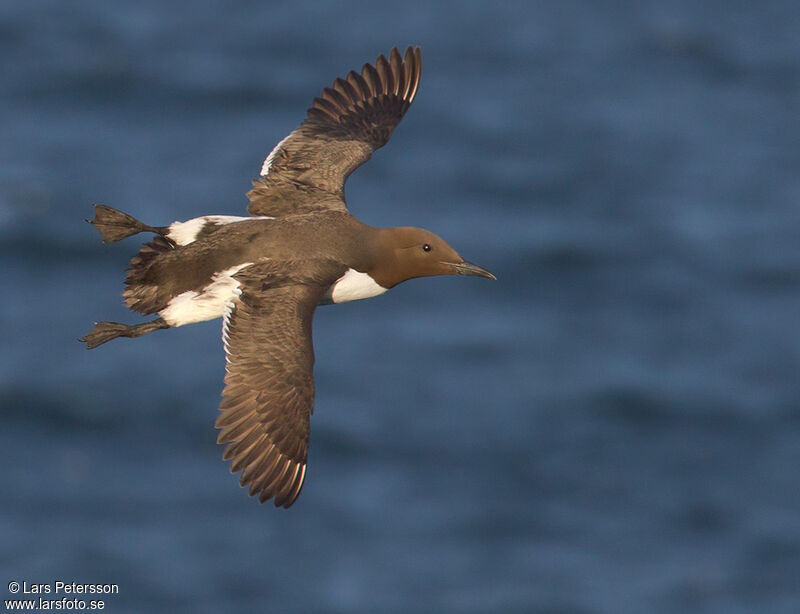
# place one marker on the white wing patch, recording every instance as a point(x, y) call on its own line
point(271, 157)
point(354, 286)
point(186, 232)
point(211, 302)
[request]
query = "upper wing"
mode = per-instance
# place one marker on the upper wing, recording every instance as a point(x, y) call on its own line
point(269, 386)
point(355, 116)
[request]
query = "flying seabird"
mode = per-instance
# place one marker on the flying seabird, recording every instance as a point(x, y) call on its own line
point(264, 274)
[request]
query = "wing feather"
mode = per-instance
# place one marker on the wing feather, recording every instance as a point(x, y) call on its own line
point(307, 170)
point(269, 388)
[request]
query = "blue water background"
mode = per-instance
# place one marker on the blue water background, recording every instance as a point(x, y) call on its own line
point(612, 427)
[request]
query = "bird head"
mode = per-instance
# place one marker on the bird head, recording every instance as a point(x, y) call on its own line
point(416, 252)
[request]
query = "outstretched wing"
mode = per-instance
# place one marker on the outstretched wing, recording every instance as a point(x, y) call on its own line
point(355, 116)
point(269, 386)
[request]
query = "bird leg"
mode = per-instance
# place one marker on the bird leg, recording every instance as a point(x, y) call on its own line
point(115, 225)
point(106, 331)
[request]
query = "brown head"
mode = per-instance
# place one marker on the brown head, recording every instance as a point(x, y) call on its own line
point(415, 252)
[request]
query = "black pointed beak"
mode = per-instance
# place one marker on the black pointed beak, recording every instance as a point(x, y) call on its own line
point(467, 268)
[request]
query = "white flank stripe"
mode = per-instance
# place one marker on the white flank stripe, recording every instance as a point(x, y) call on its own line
point(271, 157)
point(354, 286)
point(186, 232)
point(211, 302)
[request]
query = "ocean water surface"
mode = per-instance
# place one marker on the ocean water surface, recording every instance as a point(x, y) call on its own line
point(613, 426)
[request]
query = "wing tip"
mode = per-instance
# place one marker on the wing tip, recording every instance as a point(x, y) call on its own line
point(280, 480)
point(396, 77)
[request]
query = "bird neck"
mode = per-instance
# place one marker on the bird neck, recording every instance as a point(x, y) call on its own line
point(387, 268)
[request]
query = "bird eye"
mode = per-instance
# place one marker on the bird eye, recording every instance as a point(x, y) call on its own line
point(426, 247)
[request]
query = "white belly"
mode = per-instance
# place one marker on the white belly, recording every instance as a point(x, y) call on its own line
point(212, 301)
point(354, 286)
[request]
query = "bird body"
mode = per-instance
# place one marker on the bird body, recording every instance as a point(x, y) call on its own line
point(265, 274)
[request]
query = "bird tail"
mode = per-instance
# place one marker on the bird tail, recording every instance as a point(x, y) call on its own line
point(141, 293)
point(115, 225)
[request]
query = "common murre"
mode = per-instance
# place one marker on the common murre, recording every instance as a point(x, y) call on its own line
point(266, 273)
